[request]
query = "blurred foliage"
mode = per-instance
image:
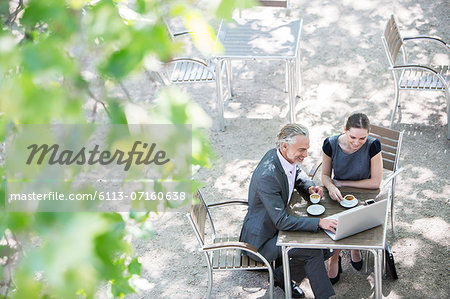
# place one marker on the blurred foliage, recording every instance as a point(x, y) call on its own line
point(58, 59)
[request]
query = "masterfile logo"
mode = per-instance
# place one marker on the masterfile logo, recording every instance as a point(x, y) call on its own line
point(97, 167)
point(94, 156)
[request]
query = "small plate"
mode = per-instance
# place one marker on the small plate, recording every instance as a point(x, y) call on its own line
point(349, 203)
point(315, 210)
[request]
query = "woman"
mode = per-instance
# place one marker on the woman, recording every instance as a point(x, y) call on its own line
point(355, 159)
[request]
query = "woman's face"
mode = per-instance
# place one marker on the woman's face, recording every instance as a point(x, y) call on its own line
point(356, 137)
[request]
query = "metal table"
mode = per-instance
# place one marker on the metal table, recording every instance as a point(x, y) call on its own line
point(373, 240)
point(256, 39)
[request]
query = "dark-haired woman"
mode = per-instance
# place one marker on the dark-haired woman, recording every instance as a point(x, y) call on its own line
point(355, 160)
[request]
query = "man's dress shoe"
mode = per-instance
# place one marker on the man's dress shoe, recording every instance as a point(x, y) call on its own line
point(297, 292)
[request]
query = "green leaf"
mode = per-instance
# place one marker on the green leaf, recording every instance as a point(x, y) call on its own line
point(121, 63)
point(121, 287)
point(226, 7)
point(117, 115)
point(134, 268)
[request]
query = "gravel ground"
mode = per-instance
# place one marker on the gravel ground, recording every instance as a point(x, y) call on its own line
point(344, 68)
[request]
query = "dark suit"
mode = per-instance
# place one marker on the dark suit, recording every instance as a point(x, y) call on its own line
point(267, 200)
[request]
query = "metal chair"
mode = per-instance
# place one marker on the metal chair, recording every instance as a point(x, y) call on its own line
point(410, 76)
point(391, 143)
point(224, 252)
point(188, 70)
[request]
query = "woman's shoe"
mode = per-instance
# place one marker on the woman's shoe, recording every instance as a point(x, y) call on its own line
point(356, 265)
point(338, 276)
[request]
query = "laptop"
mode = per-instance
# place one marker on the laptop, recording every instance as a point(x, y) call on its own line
point(358, 219)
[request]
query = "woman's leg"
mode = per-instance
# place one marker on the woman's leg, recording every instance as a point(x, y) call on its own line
point(356, 256)
point(333, 264)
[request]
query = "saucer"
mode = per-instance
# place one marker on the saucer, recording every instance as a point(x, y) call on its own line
point(349, 203)
point(315, 210)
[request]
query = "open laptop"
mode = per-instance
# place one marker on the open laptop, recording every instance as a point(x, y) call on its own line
point(358, 219)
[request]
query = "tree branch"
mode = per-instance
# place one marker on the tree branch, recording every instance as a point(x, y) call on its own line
point(12, 17)
point(91, 94)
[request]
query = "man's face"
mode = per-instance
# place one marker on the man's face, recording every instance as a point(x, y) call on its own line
point(295, 153)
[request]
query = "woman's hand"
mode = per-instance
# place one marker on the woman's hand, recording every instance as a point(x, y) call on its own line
point(335, 194)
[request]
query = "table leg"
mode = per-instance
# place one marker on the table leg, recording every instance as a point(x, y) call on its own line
point(291, 88)
point(286, 77)
point(298, 74)
point(229, 78)
point(219, 95)
point(378, 269)
point(286, 272)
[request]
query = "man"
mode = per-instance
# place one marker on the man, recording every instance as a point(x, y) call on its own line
point(270, 190)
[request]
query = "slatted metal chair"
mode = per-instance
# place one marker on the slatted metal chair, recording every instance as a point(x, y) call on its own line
point(186, 69)
point(410, 76)
point(223, 252)
point(391, 143)
point(274, 3)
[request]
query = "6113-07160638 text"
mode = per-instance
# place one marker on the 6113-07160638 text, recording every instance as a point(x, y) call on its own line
point(99, 195)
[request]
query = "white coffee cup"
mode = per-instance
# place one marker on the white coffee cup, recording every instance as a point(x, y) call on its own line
point(349, 197)
point(314, 198)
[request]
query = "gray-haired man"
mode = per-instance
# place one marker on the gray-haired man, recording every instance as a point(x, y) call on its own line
point(271, 186)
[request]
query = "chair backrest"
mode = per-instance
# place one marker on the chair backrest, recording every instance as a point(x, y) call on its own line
point(271, 3)
point(391, 141)
point(274, 3)
point(197, 218)
point(392, 40)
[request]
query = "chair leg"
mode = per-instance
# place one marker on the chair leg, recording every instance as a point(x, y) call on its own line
point(270, 282)
point(210, 276)
point(392, 216)
point(366, 263)
point(447, 96)
point(397, 105)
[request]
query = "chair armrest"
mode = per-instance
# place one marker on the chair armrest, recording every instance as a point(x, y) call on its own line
point(390, 178)
point(414, 66)
point(230, 245)
point(314, 169)
point(182, 33)
point(189, 59)
point(237, 245)
point(426, 37)
point(228, 203)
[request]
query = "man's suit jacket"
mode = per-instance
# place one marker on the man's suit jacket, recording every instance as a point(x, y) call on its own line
point(267, 200)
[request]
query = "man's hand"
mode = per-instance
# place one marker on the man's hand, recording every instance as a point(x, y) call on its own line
point(328, 224)
point(316, 189)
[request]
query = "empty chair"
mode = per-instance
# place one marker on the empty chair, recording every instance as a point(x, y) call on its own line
point(412, 76)
point(223, 252)
point(187, 69)
point(274, 3)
